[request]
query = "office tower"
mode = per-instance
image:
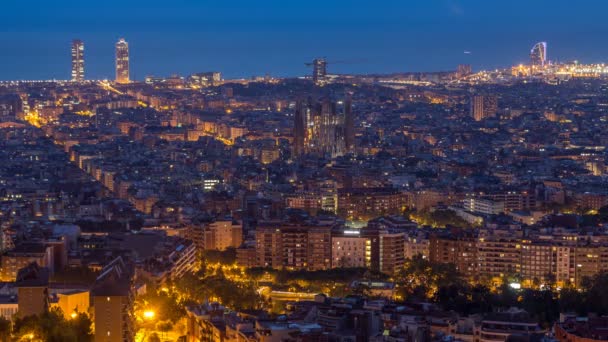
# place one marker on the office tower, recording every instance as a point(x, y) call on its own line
point(319, 70)
point(77, 61)
point(538, 54)
point(122, 61)
point(349, 124)
point(483, 106)
point(319, 128)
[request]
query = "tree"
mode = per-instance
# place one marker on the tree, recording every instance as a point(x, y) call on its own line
point(421, 279)
point(166, 305)
point(154, 337)
point(596, 296)
point(164, 326)
point(362, 290)
point(571, 300)
point(81, 325)
point(542, 305)
point(53, 327)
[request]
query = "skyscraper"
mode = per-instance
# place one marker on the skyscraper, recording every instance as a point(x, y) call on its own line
point(483, 106)
point(122, 61)
point(319, 70)
point(77, 60)
point(538, 54)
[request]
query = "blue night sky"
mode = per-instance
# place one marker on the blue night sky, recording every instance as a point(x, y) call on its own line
point(242, 38)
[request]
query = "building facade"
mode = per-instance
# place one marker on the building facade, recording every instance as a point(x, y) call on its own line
point(122, 62)
point(77, 60)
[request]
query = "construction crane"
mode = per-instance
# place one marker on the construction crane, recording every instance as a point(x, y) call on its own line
point(319, 67)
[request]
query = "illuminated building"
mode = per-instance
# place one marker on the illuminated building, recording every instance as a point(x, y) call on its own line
point(386, 249)
point(589, 261)
point(484, 206)
point(71, 302)
point(122, 61)
point(499, 255)
point(77, 61)
point(365, 203)
point(350, 249)
point(538, 262)
point(313, 201)
point(319, 70)
point(224, 234)
point(458, 249)
point(483, 106)
point(23, 255)
point(538, 54)
point(205, 79)
point(320, 127)
point(294, 246)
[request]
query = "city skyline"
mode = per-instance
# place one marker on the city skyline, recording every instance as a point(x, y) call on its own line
point(271, 171)
point(239, 41)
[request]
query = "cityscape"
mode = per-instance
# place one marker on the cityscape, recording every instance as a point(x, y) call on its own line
point(467, 205)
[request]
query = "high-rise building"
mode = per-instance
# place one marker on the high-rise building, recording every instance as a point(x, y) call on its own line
point(483, 106)
point(320, 127)
point(386, 249)
point(538, 54)
point(122, 61)
point(77, 60)
point(319, 70)
point(112, 297)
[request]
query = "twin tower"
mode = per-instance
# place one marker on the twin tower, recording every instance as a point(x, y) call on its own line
point(122, 61)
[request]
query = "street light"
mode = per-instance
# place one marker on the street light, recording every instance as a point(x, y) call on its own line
point(149, 314)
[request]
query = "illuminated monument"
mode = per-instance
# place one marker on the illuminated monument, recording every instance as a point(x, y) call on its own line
point(538, 54)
